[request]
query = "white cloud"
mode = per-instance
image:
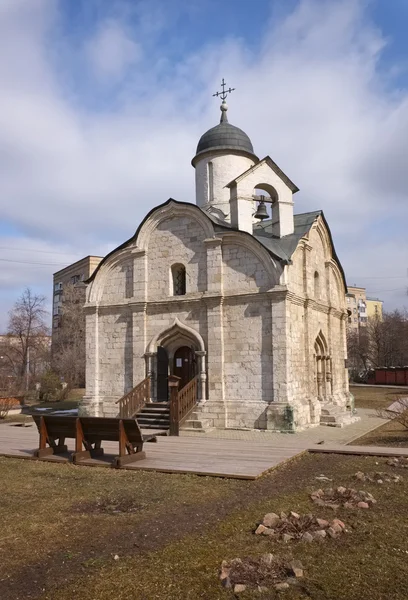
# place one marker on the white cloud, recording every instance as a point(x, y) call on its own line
point(111, 51)
point(313, 98)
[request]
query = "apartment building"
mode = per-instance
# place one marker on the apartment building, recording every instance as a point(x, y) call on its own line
point(374, 308)
point(361, 308)
point(72, 274)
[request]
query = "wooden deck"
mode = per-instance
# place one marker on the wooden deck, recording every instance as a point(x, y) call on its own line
point(198, 455)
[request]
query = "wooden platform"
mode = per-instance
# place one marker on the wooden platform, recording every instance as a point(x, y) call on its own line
point(198, 455)
point(361, 450)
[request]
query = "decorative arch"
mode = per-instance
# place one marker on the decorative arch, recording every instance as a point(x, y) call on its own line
point(181, 333)
point(167, 211)
point(172, 338)
point(321, 347)
point(249, 243)
point(323, 368)
point(98, 283)
point(268, 188)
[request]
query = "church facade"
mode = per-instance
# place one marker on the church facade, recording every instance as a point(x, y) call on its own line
point(252, 304)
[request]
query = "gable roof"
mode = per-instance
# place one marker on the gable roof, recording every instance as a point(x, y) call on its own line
point(267, 160)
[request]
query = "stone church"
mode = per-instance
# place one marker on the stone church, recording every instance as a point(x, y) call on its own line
point(234, 290)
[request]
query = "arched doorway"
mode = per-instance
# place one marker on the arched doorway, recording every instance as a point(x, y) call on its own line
point(184, 365)
point(178, 350)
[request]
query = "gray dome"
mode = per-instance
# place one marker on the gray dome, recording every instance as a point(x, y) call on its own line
point(225, 136)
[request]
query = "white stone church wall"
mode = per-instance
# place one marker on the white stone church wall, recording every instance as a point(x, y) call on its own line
point(176, 240)
point(242, 270)
point(247, 361)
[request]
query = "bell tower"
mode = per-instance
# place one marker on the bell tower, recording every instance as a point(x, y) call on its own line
point(223, 153)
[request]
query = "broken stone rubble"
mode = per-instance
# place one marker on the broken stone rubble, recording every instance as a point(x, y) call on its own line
point(341, 496)
point(378, 477)
point(262, 574)
point(293, 526)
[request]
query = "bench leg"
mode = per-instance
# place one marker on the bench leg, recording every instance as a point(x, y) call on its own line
point(41, 452)
point(77, 457)
point(121, 461)
point(97, 451)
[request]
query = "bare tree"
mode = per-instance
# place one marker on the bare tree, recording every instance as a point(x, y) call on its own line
point(27, 336)
point(68, 348)
point(381, 343)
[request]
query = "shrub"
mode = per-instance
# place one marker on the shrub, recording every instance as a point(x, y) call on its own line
point(6, 404)
point(50, 387)
point(398, 411)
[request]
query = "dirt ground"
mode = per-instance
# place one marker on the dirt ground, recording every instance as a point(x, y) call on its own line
point(103, 534)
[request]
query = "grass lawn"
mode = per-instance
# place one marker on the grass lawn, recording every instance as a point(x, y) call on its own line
point(375, 397)
point(389, 434)
point(63, 525)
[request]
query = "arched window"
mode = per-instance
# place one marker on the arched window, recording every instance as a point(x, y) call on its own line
point(178, 274)
point(210, 182)
point(316, 285)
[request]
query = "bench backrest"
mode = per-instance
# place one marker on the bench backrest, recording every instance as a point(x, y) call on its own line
point(57, 425)
point(94, 428)
point(97, 428)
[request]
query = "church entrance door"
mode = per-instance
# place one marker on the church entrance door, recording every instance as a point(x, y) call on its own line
point(184, 365)
point(162, 374)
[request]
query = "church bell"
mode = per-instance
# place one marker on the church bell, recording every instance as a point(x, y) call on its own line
point(261, 212)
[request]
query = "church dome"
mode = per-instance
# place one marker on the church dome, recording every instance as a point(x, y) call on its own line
point(225, 137)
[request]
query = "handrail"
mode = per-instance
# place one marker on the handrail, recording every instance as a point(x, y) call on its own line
point(187, 399)
point(132, 402)
point(182, 402)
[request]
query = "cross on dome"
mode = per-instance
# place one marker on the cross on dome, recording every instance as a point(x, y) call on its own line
point(223, 95)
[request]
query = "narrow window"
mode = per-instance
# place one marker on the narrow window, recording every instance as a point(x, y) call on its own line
point(316, 285)
point(178, 273)
point(210, 182)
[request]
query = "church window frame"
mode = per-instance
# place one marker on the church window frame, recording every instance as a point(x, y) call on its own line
point(178, 279)
point(316, 282)
point(210, 175)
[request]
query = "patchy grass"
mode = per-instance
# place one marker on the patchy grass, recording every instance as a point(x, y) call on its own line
point(63, 525)
point(17, 419)
point(389, 434)
point(375, 397)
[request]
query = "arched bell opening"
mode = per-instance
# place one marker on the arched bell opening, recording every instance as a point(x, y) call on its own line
point(264, 196)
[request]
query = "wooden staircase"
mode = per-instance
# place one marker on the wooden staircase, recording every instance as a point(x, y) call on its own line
point(166, 416)
point(155, 415)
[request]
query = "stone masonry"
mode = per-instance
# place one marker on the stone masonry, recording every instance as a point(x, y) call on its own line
point(263, 313)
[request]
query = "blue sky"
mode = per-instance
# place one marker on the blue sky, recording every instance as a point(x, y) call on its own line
point(103, 102)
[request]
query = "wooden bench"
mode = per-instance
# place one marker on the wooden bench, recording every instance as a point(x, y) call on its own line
point(89, 433)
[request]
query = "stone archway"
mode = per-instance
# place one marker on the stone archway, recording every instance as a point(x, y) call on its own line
point(323, 372)
point(172, 339)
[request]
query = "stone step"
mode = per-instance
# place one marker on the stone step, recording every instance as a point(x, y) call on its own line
point(196, 424)
point(155, 410)
point(156, 422)
point(153, 415)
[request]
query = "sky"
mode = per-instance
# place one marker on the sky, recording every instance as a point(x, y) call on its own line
point(103, 101)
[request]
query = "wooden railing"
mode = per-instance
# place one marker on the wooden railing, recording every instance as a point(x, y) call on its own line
point(134, 400)
point(182, 402)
